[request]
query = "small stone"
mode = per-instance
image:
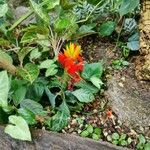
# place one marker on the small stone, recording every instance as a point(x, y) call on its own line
point(105, 133)
point(123, 79)
point(121, 84)
point(95, 110)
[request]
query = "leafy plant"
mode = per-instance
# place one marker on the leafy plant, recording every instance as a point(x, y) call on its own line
point(117, 139)
point(143, 143)
point(119, 63)
point(91, 132)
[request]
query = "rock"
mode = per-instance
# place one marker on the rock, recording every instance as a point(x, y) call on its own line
point(132, 101)
point(43, 140)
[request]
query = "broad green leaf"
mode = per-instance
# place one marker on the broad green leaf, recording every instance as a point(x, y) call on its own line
point(134, 42)
point(4, 43)
point(85, 133)
point(83, 95)
point(64, 108)
point(98, 131)
point(4, 88)
point(30, 72)
point(123, 143)
point(51, 4)
point(51, 96)
point(35, 54)
point(19, 94)
point(147, 146)
point(5, 56)
point(95, 136)
point(94, 2)
point(92, 70)
point(23, 52)
point(128, 6)
point(87, 86)
point(29, 37)
point(46, 64)
point(18, 128)
point(142, 139)
point(59, 121)
point(36, 90)
point(51, 71)
point(32, 106)
point(40, 11)
point(90, 128)
point(27, 115)
point(115, 136)
point(123, 136)
point(96, 81)
point(3, 9)
point(107, 28)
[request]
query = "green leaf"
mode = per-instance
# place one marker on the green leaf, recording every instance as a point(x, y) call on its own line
point(90, 128)
point(123, 143)
point(134, 42)
point(46, 64)
point(129, 140)
point(36, 90)
point(30, 72)
point(51, 71)
point(98, 131)
point(87, 86)
point(142, 139)
point(23, 52)
point(92, 70)
point(27, 115)
point(51, 4)
point(85, 133)
point(96, 81)
point(64, 108)
point(51, 97)
point(115, 136)
point(123, 136)
point(147, 146)
point(59, 121)
point(83, 95)
point(95, 136)
point(115, 142)
point(29, 37)
point(3, 9)
point(107, 28)
point(4, 88)
point(40, 11)
point(18, 128)
point(19, 94)
point(32, 106)
point(128, 6)
point(5, 56)
point(35, 54)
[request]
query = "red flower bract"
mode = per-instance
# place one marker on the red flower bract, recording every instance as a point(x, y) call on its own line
point(71, 59)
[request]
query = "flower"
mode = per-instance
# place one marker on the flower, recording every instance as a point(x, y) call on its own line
point(71, 59)
point(72, 51)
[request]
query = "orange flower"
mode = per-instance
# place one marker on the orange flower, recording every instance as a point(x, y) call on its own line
point(71, 59)
point(109, 113)
point(72, 51)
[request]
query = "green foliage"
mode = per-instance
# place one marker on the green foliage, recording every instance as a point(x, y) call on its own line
point(92, 132)
point(119, 63)
point(119, 139)
point(18, 128)
point(4, 89)
point(107, 28)
point(143, 144)
point(30, 72)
